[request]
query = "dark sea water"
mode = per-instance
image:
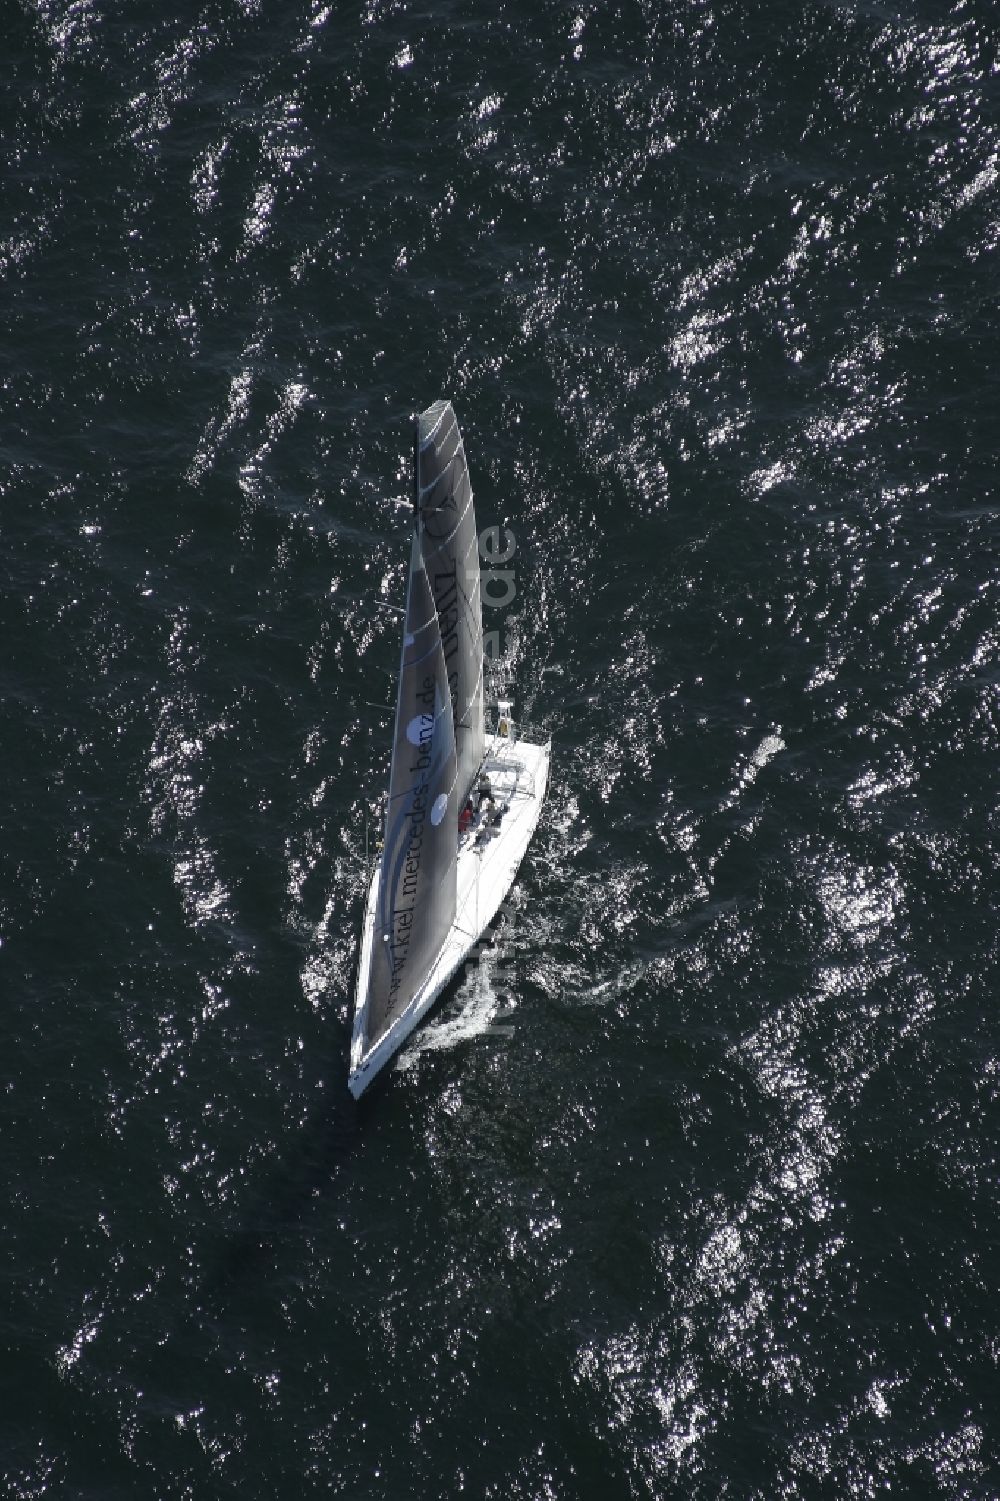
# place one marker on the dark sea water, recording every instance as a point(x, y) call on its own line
point(689, 1189)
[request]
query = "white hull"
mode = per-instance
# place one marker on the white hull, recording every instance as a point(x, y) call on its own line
point(487, 865)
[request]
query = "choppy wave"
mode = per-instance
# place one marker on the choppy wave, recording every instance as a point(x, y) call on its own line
point(689, 1190)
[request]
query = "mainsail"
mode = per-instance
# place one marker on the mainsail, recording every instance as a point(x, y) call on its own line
point(447, 527)
point(416, 892)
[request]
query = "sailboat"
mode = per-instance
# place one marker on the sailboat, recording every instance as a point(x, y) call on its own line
point(463, 802)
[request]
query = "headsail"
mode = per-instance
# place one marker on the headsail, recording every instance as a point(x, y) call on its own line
point(416, 894)
point(447, 526)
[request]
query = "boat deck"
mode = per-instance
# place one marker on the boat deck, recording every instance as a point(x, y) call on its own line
point(488, 858)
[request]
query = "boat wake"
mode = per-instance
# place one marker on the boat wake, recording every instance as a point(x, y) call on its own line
point(479, 1009)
